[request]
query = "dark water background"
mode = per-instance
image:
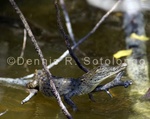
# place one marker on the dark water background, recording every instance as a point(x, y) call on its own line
point(107, 40)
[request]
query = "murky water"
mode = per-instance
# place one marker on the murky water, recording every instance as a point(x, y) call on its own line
point(41, 14)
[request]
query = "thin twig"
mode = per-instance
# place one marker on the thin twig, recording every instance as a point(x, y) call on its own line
point(2, 113)
point(80, 41)
point(32, 92)
point(24, 43)
point(68, 23)
point(67, 40)
point(37, 48)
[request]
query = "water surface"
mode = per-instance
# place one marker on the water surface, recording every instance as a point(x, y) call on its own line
point(108, 39)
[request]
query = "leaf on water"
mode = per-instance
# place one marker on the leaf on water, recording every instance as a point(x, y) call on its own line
point(137, 37)
point(122, 53)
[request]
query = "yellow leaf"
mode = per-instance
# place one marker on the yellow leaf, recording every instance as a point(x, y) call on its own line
point(122, 53)
point(137, 37)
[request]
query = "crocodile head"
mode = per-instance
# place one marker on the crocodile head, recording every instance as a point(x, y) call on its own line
point(96, 76)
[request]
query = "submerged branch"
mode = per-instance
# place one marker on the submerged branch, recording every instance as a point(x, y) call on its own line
point(37, 48)
point(2, 113)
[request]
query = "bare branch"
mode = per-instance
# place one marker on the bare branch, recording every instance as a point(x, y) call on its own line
point(37, 48)
point(17, 81)
point(68, 23)
point(2, 113)
point(67, 40)
point(32, 92)
point(24, 43)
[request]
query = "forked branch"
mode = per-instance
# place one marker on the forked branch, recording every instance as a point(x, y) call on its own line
point(37, 48)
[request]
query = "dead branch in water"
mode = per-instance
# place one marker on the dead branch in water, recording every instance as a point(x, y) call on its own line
point(2, 113)
point(66, 38)
point(68, 23)
point(58, 60)
point(37, 48)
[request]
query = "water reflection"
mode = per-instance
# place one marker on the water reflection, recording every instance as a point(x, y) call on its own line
point(3, 54)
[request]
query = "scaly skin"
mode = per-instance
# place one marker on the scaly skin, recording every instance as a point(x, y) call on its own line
point(69, 87)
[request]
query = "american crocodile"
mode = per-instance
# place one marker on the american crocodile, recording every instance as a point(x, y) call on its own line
point(69, 87)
